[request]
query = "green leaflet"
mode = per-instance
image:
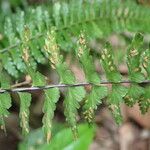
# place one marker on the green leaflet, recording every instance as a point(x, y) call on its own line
point(40, 19)
point(37, 78)
point(8, 64)
point(93, 99)
point(133, 61)
point(56, 14)
point(66, 76)
point(36, 52)
point(25, 101)
point(97, 92)
point(26, 49)
point(8, 29)
point(15, 53)
point(51, 97)
point(73, 97)
point(110, 68)
point(146, 61)
point(5, 100)
point(19, 20)
point(71, 104)
point(16, 58)
point(5, 103)
point(115, 97)
point(144, 101)
point(133, 94)
point(116, 94)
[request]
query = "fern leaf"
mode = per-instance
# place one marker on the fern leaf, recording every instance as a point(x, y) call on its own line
point(133, 59)
point(9, 65)
point(93, 99)
point(8, 30)
point(71, 101)
point(36, 52)
point(56, 14)
point(25, 101)
point(16, 55)
point(144, 101)
point(25, 49)
point(134, 67)
point(73, 97)
point(146, 62)
point(5, 101)
point(110, 68)
point(20, 22)
point(39, 16)
point(71, 104)
point(115, 97)
point(97, 93)
point(133, 94)
point(17, 60)
point(51, 97)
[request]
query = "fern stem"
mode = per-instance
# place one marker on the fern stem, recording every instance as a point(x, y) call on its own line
point(35, 88)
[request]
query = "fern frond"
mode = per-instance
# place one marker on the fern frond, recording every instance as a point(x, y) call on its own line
point(31, 42)
point(144, 101)
point(71, 102)
point(97, 18)
point(15, 55)
point(51, 95)
point(115, 97)
point(97, 92)
point(133, 61)
point(25, 101)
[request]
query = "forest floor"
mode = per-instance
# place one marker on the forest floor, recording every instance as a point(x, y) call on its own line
point(129, 136)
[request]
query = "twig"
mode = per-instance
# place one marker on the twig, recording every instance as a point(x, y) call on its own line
point(21, 84)
point(36, 88)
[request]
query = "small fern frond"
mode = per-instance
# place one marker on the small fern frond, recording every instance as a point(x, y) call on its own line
point(97, 93)
point(51, 98)
point(115, 97)
point(144, 101)
point(133, 61)
point(71, 102)
point(25, 101)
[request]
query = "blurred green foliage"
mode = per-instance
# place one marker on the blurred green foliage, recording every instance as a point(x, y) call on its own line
point(62, 140)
